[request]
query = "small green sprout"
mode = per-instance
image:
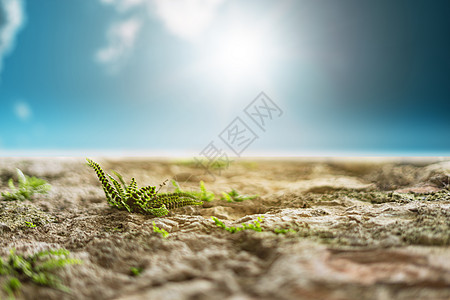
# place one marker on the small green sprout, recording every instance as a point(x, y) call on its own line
point(234, 196)
point(12, 286)
point(256, 226)
point(136, 271)
point(205, 195)
point(36, 268)
point(177, 186)
point(202, 195)
point(284, 231)
point(162, 231)
point(144, 200)
point(30, 224)
point(28, 186)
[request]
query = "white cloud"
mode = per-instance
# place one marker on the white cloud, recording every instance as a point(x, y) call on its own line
point(187, 18)
point(12, 19)
point(121, 41)
point(23, 111)
point(124, 5)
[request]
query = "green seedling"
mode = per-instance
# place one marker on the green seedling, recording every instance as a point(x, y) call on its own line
point(30, 224)
point(256, 226)
point(205, 195)
point(36, 268)
point(163, 232)
point(202, 195)
point(136, 271)
point(145, 200)
point(234, 196)
point(12, 286)
point(27, 187)
point(284, 231)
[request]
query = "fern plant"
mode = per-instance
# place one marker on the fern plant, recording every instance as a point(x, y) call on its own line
point(28, 186)
point(36, 268)
point(145, 200)
point(202, 195)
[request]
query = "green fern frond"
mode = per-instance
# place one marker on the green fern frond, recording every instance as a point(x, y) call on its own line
point(133, 186)
point(107, 188)
point(176, 200)
point(145, 200)
point(117, 186)
point(158, 212)
point(120, 179)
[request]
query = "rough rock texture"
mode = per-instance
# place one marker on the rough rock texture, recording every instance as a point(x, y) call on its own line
point(363, 230)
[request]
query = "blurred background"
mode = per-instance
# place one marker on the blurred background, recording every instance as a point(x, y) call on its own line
point(167, 77)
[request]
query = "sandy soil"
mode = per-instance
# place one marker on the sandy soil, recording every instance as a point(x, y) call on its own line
point(366, 229)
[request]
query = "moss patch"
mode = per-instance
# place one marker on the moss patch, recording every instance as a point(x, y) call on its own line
point(19, 215)
point(381, 197)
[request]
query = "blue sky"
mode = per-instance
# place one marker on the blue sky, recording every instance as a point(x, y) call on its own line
point(164, 76)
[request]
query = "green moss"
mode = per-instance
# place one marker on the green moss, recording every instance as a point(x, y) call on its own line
point(256, 226)
point(114, 229)
point(381, 197)
point(430, 226)
point(20, 215)
point(286, 228)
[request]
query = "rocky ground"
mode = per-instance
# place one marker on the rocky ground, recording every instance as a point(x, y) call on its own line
point(364, 229)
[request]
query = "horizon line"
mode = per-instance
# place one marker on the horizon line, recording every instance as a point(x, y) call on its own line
point(186, 154)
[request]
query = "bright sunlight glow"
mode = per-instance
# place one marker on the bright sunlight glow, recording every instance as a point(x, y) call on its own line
point(237, 56)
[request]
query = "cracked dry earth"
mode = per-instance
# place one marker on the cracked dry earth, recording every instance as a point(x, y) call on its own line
point(365, 229)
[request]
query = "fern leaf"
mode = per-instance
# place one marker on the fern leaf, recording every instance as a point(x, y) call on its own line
point(159, 212)
point(117, 186)
point(175, 200)
point(11, 185)
point(132, 188)
point(21, 177)
point(120, 179)
point(111, 195)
